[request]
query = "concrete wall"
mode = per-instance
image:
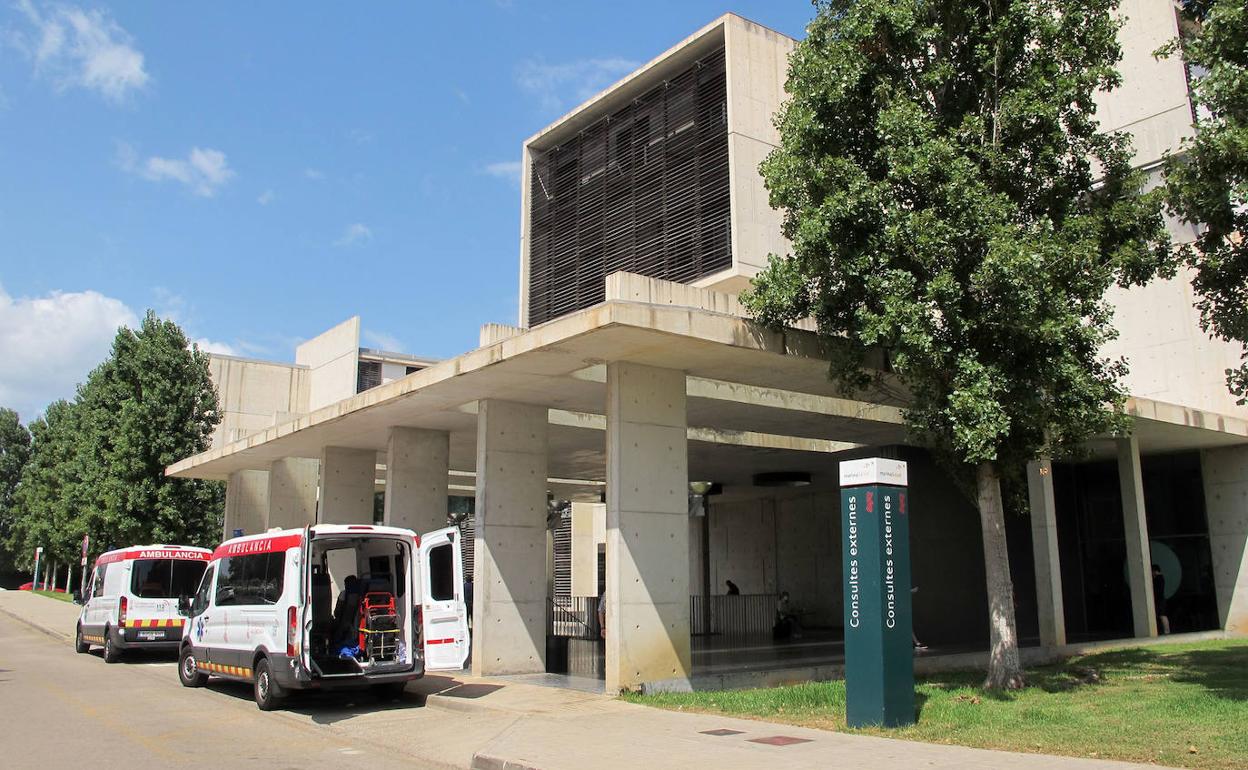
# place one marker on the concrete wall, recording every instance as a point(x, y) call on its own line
point(1152, 102)
point(1225, 473)
point(757, 67)
point(1170, 358)
point(255, 395)
point(332, 359)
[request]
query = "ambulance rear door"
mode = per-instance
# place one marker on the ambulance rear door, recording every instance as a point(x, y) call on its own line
point(444, 616)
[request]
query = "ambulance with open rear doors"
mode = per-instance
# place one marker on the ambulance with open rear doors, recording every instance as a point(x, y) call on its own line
point(132, 599)
point(325, 607)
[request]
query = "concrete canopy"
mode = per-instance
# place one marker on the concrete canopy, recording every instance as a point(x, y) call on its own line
point(758, 400)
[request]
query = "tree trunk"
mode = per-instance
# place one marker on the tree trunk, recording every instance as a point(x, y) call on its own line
point(1005, 672)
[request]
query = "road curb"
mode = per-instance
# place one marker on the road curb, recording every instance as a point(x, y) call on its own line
point(465, 706)
point(482, 761)
point(37, 626)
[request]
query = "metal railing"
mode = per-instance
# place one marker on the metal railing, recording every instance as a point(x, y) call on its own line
point(575, 617)
point(738, 616)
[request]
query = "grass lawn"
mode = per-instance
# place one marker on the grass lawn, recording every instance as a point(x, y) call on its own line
point(1183, 705)
point(56, 595)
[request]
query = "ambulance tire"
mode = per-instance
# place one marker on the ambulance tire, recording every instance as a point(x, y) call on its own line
point(111, 653)
point(269, 694)
point(188, 673)
point(80, 645)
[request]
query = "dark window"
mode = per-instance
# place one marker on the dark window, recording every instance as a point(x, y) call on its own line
point(412, 369)
point(369, 376)
point(250, 580)
point(97, 588)
point(201, 596)
point(442, 572)
point(645, 189)
point(165, 578)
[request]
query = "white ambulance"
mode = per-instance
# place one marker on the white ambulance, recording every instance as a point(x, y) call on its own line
point(325, 607)
point(132, 599)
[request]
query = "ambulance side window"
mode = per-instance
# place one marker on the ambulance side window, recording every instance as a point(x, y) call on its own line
point(442, 573)
point(97, 588)
point(201, 596)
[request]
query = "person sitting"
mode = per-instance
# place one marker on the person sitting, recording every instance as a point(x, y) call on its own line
point(787, 623)
point(732, 588)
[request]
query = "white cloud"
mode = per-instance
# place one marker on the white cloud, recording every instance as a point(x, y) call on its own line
point(556, 86)
point(74, 47)
point(266, 197)
point(204, 170)
point(315, 174)
point(382, 341)
point(355, 234)
point(507, 169)
point(49, 344)
point(212, 346)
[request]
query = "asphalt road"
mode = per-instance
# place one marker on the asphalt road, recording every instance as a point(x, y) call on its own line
point(61, 709)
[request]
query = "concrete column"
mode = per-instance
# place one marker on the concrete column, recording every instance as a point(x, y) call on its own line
point(585, 548)
point(509, 587)
point(1044, 548)
point(416, 470)
point(246, 503)
point(292, 492)
point(348, 482)
point(647, 529)
point(1225, 475)
point(1135, 525)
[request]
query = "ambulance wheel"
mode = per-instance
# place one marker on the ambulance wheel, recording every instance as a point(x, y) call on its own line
point(80, 645)
point(188, 670)
point(111, 653)
point(269, 694)
point(389, 690)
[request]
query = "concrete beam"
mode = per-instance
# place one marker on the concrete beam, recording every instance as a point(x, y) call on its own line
point(348, 482)
point(417, 464)
point(246, 503)
point(1049, 603)
point(647, 643)
point(509, 585)
point(1225, 475)
point(1135, 525)
point(292, 492)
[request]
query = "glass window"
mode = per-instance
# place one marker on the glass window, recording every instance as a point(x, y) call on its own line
point(165, 578)
point(97, 587)
point(442, 572)
point(254, 579)
point(201, 596)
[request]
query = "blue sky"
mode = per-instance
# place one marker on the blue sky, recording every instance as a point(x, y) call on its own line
point(260, 173)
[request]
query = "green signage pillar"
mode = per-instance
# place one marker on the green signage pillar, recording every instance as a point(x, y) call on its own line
point(875, 554)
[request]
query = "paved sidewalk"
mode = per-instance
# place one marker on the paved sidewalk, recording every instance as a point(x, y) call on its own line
point(492, 724)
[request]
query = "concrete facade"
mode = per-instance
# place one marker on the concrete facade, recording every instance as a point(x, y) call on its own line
point(647, 529)
point(1135, 525)
point(348, 481)
point(293, 492)
point(332, 360)
point(1226, 505)
point(509, 607)
point(246, 503)
point(1050, 609)
point(254, 395)
point(417, 464)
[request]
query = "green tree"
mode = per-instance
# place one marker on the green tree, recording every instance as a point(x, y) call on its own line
point(1207, 180)
point(951, 202)
point(150, 404)
point(14, 453)
point(47, 506)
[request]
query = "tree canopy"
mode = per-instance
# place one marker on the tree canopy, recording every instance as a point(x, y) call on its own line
point(1207, 180)
point(14, 453)
point(951, 201)
point(98, 463)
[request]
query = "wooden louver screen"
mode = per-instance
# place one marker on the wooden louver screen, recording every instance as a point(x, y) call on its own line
point(644, 189)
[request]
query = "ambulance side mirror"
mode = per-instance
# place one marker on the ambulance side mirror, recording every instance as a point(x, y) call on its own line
point(184, 606)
